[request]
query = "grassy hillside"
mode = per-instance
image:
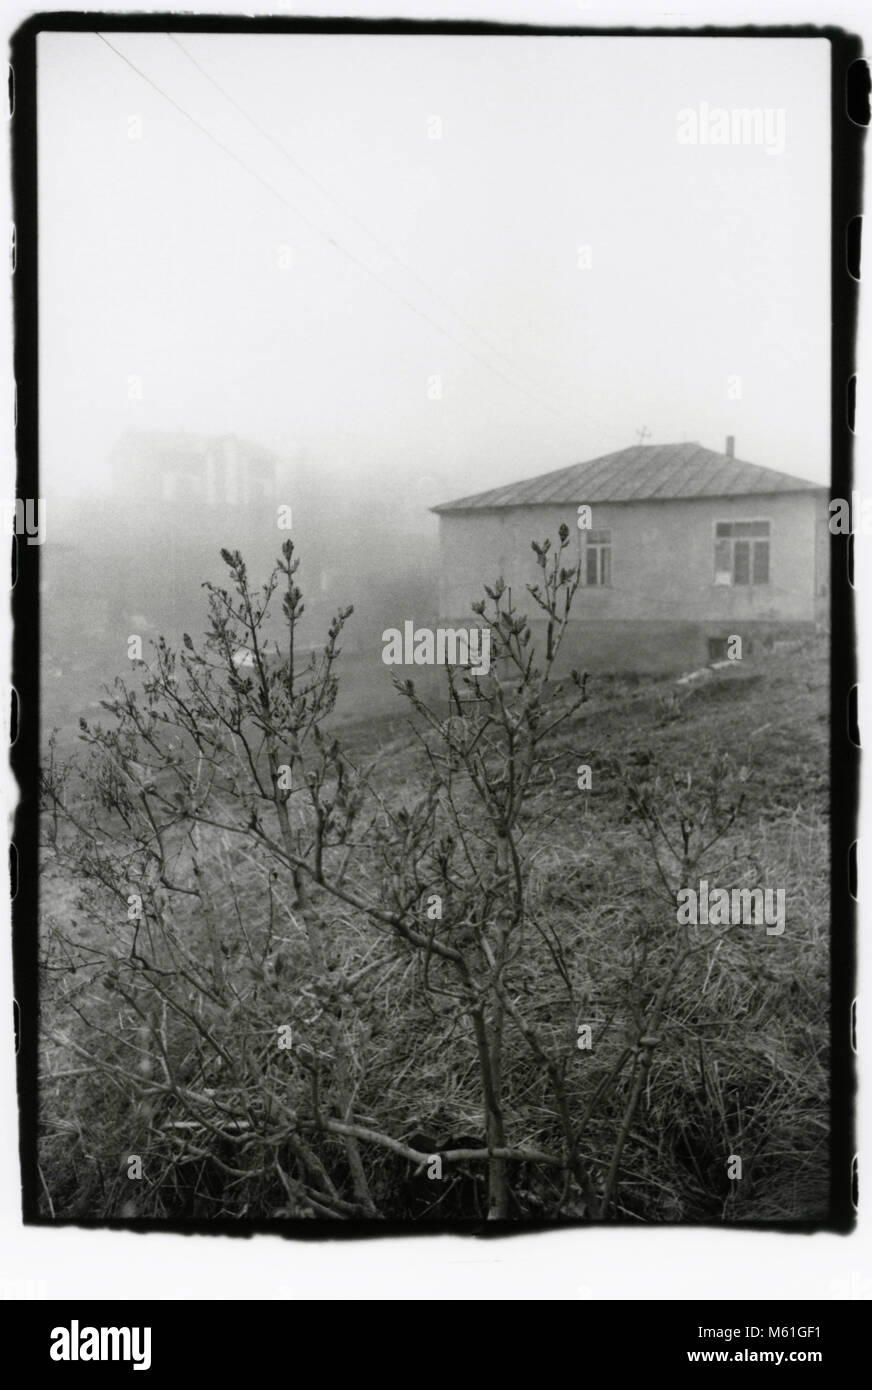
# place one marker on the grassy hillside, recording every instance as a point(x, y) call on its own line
point(740, 1065)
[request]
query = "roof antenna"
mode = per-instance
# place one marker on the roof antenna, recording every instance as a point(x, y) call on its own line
point(643, 434)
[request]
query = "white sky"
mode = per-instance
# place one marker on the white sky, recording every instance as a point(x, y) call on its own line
point(159, 257)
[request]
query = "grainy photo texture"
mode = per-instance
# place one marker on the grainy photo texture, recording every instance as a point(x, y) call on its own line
point(434, 537)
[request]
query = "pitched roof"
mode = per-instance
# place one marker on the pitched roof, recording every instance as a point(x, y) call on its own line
point(641, 473)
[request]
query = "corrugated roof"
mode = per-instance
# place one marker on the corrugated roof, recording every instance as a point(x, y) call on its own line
point(640, 474)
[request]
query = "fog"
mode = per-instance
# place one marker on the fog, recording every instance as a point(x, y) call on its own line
point(409, 269)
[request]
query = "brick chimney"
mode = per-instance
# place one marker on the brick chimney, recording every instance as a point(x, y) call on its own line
point(731, 446)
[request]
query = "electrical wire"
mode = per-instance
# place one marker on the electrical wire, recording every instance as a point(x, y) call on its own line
point(331, 240)
point(358, 221)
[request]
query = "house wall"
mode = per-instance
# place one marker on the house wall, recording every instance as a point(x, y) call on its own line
point(824, 549)
point(663, 605)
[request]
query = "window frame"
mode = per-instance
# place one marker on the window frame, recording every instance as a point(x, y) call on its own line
point(751, 542)
point(597, 547)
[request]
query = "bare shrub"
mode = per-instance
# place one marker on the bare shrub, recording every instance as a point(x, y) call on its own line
point(294, 989)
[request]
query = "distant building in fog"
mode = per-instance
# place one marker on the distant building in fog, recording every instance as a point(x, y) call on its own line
point(167, 470)
point(181, 498)
point(683, 548)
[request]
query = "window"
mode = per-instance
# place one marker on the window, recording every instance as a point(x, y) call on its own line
point(597, 567)
point(742, 552)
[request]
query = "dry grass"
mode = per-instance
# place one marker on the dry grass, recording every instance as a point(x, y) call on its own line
point(741, 1067)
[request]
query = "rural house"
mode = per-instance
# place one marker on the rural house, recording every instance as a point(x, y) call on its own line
point(682, 548)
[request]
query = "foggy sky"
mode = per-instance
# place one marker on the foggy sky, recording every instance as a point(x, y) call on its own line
point(160, 257)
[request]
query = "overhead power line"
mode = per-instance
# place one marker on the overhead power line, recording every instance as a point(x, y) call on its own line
point(330, 239)
point(358, 221)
